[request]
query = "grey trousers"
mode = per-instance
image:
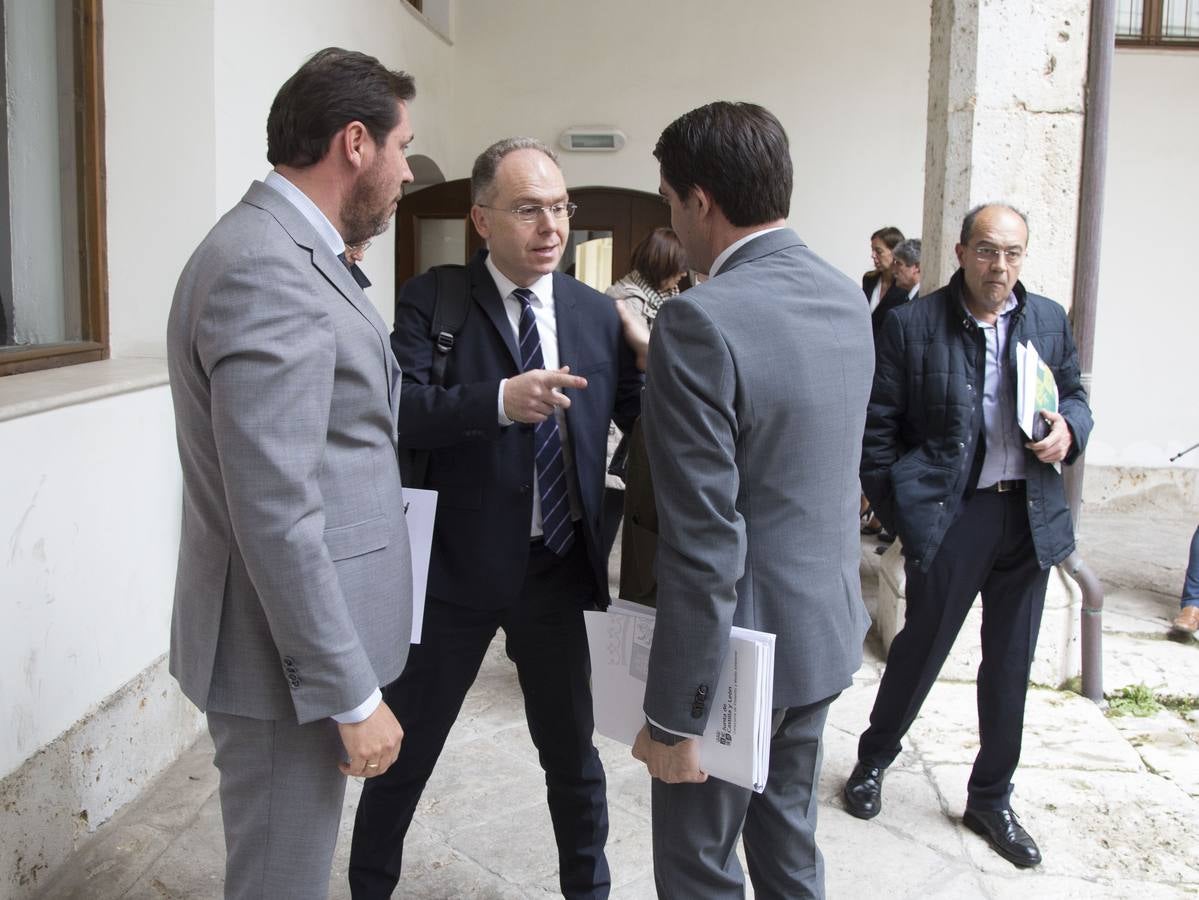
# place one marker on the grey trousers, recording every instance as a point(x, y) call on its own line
point(281, 796)
point(696, 826)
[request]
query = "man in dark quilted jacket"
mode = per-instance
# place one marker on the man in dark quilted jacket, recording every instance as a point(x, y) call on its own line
point(978, 505)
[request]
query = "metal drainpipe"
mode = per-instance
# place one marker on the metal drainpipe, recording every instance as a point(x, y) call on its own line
point(1083, 309)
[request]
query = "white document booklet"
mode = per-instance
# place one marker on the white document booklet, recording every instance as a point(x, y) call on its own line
point(420, 509)
point(735, 747)
point(1036, 391)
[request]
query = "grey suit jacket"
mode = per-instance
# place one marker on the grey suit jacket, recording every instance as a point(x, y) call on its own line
point(293, 593)
point(754, 406)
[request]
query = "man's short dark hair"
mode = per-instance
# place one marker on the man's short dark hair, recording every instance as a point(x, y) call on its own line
point(335, 87)
point(658, 257)
point(738, 153)
point(968, 221)
point(487, 163)
point(907, 252)
point(890, 235)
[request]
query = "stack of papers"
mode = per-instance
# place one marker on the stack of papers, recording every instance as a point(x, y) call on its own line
point(1036, 391)
point(736, 745)
point(420, 511)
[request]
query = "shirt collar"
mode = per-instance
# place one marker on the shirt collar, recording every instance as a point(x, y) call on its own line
point(735, 246)
point(309, 210)
point(543, 287)
point(1007, 308)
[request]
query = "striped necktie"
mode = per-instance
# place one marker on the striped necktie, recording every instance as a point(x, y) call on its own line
point(547, 443)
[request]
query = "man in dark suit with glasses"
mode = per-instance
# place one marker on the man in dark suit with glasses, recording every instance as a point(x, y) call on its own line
point(516, 433)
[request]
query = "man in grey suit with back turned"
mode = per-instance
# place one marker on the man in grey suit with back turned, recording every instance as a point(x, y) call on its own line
point(293, 594)
point(755, 400)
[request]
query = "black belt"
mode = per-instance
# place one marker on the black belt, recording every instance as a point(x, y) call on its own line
point(1003, 487)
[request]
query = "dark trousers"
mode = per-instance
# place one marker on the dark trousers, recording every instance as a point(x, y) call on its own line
point(613, 513)
point(546, 639)
point(989, 549)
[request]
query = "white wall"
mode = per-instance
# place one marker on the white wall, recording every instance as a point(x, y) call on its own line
point(250, 70)
point(189, 85)
point(89, 522)
point(89, 528)
point(158, 91)
point(847, 80)
point(90, 519)
point(1148, 320)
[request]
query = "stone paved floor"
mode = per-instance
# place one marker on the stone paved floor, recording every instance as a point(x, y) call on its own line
point(1113, 802)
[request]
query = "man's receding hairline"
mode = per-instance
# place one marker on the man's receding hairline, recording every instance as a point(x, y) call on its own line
point(1002, 207)
point(493, 186)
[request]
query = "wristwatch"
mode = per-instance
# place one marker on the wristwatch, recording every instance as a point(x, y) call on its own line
point(669, 738)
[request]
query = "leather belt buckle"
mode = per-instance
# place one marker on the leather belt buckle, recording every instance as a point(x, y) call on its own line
point(1003, 487)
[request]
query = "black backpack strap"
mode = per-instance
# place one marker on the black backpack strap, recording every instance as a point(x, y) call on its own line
point(451, 303)
point(450, 306)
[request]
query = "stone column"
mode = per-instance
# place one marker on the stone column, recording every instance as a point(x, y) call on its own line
point(1005, 117)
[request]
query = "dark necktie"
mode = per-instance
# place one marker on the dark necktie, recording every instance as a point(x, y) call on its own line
point(359, 275)
point(547, 442)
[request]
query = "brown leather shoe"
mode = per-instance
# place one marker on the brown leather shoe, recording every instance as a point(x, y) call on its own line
point(1188, 620)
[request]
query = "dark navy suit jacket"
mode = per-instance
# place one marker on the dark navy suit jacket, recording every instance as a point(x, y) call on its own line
point(897, 296)
point(482, 471)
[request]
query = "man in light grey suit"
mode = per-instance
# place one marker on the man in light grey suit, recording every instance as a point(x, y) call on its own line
point(293, 594)
point(754, 405)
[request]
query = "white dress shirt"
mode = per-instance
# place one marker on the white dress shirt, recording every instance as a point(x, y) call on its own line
point(1004, 460)
point(735, 246)
point(547, 331)
point(876, 294)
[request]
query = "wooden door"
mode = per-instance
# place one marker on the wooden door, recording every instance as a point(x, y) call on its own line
point(433, 225)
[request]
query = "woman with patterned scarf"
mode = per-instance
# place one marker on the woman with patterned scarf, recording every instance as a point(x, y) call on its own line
point(658, 265)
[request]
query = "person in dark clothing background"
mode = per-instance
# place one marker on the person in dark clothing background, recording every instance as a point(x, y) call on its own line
point(977, 506)
point(657, 265)
point(879, 281)
point(905, 280)
point(881, 293)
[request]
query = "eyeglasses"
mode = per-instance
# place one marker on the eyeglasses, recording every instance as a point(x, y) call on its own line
point(531, 212)
point(1013, 255)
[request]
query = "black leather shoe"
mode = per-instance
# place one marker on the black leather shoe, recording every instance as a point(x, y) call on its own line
point(863, 792)
point(1005, 834)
